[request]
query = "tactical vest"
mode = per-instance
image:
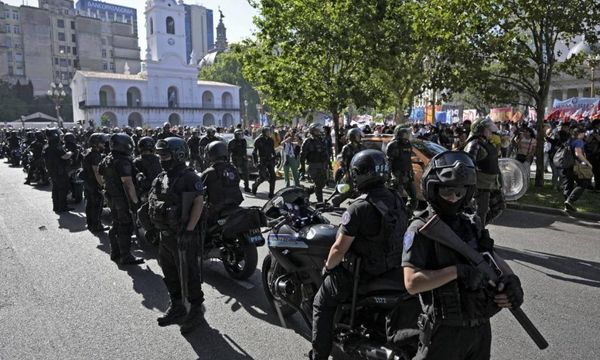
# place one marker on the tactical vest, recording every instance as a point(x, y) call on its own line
point(400, 154)
point(382, 252)
point(453, 305)
point(317, 151)
point(149, 165)
point(489, 164)
point(237, 148)
point(164, 205)
point(265, 148)
point(348, 152)
point(112, 180)
point(225, 192)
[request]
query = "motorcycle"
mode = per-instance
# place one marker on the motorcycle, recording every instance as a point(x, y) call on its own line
point(233, 239)
point(372, 324)
point(15, 157)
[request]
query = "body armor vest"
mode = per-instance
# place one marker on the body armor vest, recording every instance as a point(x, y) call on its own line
point(164, 205)
point(316, 151)
point(225, 192)
point(237, 148)
point(489, 164)
point(149, 165)
point(112, 180)
point(348, 152)
point(400, 155)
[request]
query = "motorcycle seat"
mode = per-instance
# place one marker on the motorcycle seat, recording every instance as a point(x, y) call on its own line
point(391, 282)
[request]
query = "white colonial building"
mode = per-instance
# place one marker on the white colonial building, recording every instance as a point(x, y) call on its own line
point(167, 88)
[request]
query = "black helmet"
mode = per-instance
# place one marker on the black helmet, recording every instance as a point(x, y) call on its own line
point(195, 130)
point(121, 143)
point(40, 136)
point(210, 131)
point(265, 131)
point(315, 129)
point(53, 135)
point(175, 146)
point(70, 138)
point(30, 135)
point(97, 139)
point(167, 126)
point(139, 129)
point(146, 144)
point(217, 151)
point(355, 135)
point(400, 131)
point(450, 169)
point(238, 134)
point(368, 168)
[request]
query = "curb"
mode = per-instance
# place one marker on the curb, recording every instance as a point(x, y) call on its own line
point(552, 211)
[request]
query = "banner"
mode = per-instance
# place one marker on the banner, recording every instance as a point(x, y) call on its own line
point(429, 110)
point(575, 108)
point(501, 114)
point(469, 115)
point(417, 114)
point(532, 114)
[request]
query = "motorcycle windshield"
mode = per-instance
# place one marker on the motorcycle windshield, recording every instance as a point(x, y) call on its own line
point(290, 195)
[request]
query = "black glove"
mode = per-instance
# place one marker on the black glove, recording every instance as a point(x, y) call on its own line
point(511, 286)
point(470, 277)
point(187, 239)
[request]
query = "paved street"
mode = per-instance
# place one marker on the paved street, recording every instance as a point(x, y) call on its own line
point(62, 298)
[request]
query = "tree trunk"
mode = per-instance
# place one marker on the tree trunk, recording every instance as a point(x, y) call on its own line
point(336, 128)
point(540, 138)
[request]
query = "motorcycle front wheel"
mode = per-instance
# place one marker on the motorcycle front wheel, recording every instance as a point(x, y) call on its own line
point(240, 259)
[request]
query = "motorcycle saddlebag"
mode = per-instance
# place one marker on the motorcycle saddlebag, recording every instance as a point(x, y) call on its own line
point(401, 323)
point(243, 220)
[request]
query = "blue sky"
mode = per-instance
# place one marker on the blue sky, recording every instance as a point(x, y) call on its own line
point(238, 16)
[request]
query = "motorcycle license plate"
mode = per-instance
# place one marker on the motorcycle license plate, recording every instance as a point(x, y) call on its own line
point(256, 237)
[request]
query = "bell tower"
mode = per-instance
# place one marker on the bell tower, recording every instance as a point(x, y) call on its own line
point(165, 30)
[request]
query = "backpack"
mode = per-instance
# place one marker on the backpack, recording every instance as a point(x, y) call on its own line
point(564, 157)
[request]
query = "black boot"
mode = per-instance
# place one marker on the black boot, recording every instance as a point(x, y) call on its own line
point(130, 260)
point(174, 315)
point(193, 319)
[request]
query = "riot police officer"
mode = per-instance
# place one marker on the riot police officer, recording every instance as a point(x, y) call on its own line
point(118, 173)
point(136, 138)
point(204, 141)
point(166, 132)
point(371, 229)
point(221, 182)
point(174, 190)
point(457, 298)
point(57, 165)
point(485, 157)
point(264, 156)
point(93, 182)
point(76, 186)
point(314, 151)
point(239, 157)
point(147, 165)
point(37, 162)
point(194, 146)
point(399, 155)
point(353, 146)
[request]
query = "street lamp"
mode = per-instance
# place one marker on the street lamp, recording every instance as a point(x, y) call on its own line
point(57, 93)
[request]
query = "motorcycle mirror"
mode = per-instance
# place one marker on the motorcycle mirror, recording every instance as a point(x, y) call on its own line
point(342, 188)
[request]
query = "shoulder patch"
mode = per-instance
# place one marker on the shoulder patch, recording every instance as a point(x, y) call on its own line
point(409, 238)
point(199, 186)
point(345, 218)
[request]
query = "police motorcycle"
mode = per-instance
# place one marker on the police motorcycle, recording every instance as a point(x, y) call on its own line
point(365, 327)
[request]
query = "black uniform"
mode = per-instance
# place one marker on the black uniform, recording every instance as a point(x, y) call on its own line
point(75, 186)
point(202, 144)
point(222, 189)
point(92, 190)
point(314, 151)
point(239, 158)
point(58, 169)
point(348, 152)
point(461, 325)
point(264, 155)
point(149, 165)
point(37, 162)
point(399, 154)
point(194, 146)
point(114, 167)
point(165, 210)
point(377, 220)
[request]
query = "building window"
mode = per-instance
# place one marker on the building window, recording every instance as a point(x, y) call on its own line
point(112, 66)
point(68, 49)
point(151, 26)
point(7, 28)
point(112, 54)
point(55, 61)
point(72, 25)
point(105, 66)
point(17, 29)
point(103, 41)
point(18, 56)
point(74, 50)
point(6, 14)
point(57, 74)
point(170, 25)
point(10, 70)
point(104, 53)
point(73, 38)
point(172, 97)
point(17, 45)
point(61, 36)
point(63, 62)
point(8, 40)
point(62, 49)
point(15, 15)
point(69, 62)
point(60, 23)
point(9, 55)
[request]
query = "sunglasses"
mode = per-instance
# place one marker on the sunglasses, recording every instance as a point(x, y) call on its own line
point(457, 192)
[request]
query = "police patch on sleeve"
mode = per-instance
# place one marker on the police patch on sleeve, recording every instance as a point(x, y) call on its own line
point(345, 218)
point(199, 186)
point(409, 237)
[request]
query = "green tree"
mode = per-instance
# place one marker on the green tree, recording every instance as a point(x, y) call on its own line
point(11, 107)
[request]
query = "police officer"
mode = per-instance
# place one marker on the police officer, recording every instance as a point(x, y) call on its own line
point(264, 156)
point(239, 157)
point(221, 182)
point(371, 229)
point(314, 151)
point(37, 162)
point(399, 155)
point(353, 146)
point(136, 138)
point(118, 173)
point(204, 141)
point(93, 182)
point(485, 157)
point(57, 165)
point(76, 186)
point(176, 186)
point(456, 297)
point(147, 165)
point(166, 132)
point(194, 146)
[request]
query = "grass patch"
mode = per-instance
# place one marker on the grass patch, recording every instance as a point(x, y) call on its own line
point(549, 197)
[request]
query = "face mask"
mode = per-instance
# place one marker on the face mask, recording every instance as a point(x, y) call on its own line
point(167, 164)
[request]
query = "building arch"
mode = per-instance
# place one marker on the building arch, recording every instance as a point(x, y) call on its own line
point(227, 100)
point(227, 120)
point(170, 24)
point(208, 100)
point(106, 96)
point(208, 119)
point(151, 26)
point(135, 119)
point(109, 119)
point(174, 119)
point(173, 97)
point(134, 97)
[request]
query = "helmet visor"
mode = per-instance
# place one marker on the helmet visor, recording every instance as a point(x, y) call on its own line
point(452, 193)
point(450, 158)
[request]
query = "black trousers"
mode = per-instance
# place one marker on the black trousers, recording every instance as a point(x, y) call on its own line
point(37, 167)
point(93, 206)
point(458, 343)
point(168, 259)
point(571, 186)
point(335, 289)
point(60, 189)
point(405, 181)
point(242, 168)
point(595, 161)
point(122, 228)
point(318, 174)
point(266, 171)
